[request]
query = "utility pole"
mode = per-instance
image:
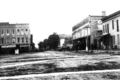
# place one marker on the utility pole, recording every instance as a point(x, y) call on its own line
point(87, 39)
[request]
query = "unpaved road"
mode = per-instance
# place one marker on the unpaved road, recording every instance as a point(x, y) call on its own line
point(63, 59)
point(54, 61)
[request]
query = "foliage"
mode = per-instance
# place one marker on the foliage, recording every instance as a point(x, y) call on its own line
point(40, 44)
point(54, 41)
point(51, 43)
point(45, 44)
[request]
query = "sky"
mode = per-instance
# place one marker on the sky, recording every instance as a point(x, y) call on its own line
point(48, 16)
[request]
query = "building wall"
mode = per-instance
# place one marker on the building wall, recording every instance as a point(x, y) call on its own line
point(112, 30)
point(61, 42)
point(22, 34)
point(5, 34)
point(82, 31)
point(10, 33)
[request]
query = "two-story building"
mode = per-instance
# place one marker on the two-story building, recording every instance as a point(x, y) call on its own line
point(14, 36)
point(96, 33)
point(111, 31)
point(82, 32)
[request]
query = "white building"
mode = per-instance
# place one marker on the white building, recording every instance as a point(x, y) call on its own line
point(82, 31)
point(111, 31)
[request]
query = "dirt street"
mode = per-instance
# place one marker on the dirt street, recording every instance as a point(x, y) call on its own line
point(54, 62)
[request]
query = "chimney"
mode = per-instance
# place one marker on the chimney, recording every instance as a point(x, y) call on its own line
point(103, 13)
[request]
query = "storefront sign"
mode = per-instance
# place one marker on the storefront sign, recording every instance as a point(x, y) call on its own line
point(8, 46)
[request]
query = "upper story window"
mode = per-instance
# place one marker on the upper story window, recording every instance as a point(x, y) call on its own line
point(22, 39)
point(112, 24)
point(18, 40)
point(117, 22)
point(13, 40)
point(13, 31)
point(7, 31)
point(2, 32)
point(103, 28)
point(18, 30)
point(26, 39)
point(2, 40)
point(8, 40)
point(107, 28)
point(26, 29)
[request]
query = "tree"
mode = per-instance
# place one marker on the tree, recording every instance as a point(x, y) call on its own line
point(40, 44)
point(45, 44)
point(53, 41)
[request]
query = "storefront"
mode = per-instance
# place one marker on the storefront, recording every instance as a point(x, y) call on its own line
point(106, 42)
point(80, 43)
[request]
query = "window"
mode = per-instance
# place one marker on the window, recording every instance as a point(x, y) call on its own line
point(18, 30)
point(2, 32)
point(112, 24)
point(18, 40)
point(13, 31)
point(113, 39)
point(8, 40)
point(13, 40)
point(22, 39)
point(117, 25)
point(107, 28)
point(2, 40)
point(103, 28)
point(26, 29)
point(118, 39)
point(26, 39)
point(7, 31)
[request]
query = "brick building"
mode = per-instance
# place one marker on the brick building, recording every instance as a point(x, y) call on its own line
point(14, 36)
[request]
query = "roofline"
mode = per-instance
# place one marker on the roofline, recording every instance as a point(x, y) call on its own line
point(111, 15)
point(77, 25)
point(96, 16)
point(83, 20)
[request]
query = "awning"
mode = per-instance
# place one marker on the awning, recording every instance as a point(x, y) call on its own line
point(82, 37)
point(8, 46)
point(104, 36)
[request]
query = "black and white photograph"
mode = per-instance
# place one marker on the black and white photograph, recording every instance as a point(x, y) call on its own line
point(59, 40)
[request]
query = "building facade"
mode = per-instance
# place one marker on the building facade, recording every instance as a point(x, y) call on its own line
point(111, 31)
point(14, 36)
point(65, 41)
point(96, 33)
point(82, 32)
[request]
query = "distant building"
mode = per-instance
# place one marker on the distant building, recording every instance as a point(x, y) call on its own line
point(63, 39)
point(14, 36)
point(111, 31)
point(32, 44)
point(68, 42)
